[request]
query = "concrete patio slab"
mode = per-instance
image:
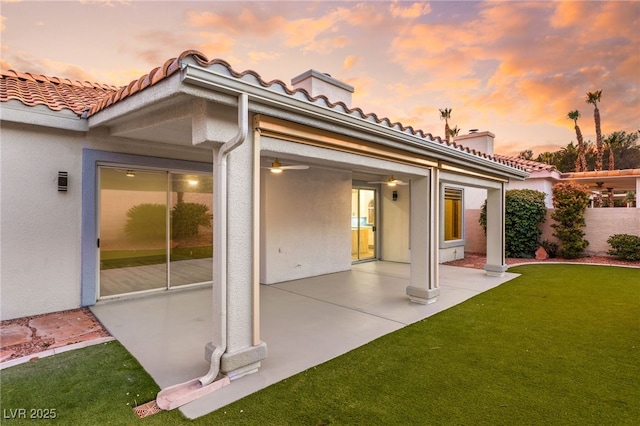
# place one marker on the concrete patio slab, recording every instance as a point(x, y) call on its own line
point(304, 323)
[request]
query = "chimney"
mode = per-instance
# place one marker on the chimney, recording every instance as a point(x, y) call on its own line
point(317, 83)
point(480, 141)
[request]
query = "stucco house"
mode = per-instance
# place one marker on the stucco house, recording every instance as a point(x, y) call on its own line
point(199, 175)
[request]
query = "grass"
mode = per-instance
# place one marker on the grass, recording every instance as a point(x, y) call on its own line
point(559, 345)
point(113, 259)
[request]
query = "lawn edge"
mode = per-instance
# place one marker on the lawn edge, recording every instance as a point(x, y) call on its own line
point(55, 351)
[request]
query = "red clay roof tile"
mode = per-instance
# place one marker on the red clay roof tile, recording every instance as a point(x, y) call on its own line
point(52, 92)
point(527, 165)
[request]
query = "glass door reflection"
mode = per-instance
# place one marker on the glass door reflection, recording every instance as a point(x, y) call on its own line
point(155, 230)
point(191, 247)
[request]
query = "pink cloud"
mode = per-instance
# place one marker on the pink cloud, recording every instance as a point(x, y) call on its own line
point(415, 10)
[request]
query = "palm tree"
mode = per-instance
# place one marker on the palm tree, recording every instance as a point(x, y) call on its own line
point(445, 114)
point(611, 142)
point(453, 133)
point(581, 161)
point(594, 98)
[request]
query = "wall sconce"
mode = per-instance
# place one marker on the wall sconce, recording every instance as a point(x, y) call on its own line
point(131, 173)
point(395, 195)
point(63, 181)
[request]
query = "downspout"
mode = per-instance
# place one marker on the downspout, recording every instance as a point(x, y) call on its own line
point(220, 226)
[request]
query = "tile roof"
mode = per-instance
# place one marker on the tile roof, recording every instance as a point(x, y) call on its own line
point(91, 98)
point(602, 174)
point(528, 165)
point(55, 93)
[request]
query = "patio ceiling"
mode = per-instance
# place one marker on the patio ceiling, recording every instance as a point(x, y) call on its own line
point(619, 180)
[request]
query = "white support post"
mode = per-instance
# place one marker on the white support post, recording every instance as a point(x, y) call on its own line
point(423, 286)
point(496, 263)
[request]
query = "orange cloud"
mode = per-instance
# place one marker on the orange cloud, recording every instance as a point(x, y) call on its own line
point(220, 43)
point(358, 14)
point(569, 13)
point(349, 62)
point(256, 57)
point(246, 22)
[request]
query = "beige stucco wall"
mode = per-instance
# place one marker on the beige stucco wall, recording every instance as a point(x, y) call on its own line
point(601, 224)
point(476, 241)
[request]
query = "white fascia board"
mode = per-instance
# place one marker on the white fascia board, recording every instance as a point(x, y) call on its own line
point(207, 78)
point(39, 115)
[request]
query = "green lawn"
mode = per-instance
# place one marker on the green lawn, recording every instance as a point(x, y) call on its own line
point(112, 259)
point(559, 345)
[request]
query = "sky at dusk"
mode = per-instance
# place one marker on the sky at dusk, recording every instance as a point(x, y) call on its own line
point(510, 67)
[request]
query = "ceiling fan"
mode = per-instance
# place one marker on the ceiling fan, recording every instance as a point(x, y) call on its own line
point(392, 181)
point(277, 167)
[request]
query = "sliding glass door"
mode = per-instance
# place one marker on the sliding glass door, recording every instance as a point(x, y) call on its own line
point(191, 220)
point(363, 224)
point(155, 230)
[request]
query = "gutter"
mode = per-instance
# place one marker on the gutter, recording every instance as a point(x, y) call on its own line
point(183, 393)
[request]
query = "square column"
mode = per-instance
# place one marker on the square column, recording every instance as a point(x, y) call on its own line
point(496, 264)
point(423, 286)
point(234, 295)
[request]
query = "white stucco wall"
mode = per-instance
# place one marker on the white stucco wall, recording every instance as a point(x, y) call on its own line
point(40, 231)
point(40, 227)
point(305, 224)
point(395, 224)
point(542, 185)
point(474, 198)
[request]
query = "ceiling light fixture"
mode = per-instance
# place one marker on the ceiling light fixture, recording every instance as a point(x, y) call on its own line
point(276, 166)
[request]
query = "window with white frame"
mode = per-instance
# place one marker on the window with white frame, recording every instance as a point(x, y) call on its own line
point(453, 214)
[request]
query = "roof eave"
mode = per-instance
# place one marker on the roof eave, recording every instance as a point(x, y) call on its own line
point(208, 78)
point(40, 115)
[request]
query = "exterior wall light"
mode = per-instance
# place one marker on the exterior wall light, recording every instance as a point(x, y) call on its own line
point(63, 181)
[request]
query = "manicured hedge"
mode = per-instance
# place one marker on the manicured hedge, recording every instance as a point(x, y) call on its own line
point(524, 211)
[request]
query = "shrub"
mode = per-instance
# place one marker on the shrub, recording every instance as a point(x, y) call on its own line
point(524, 211)
point(146, 222)
point(187, 217)
point(624, 246)
point(550, 247)
point(570, 201)
point(149, 221)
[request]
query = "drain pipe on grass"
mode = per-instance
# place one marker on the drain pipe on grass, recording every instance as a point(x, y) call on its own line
point(220, 243)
